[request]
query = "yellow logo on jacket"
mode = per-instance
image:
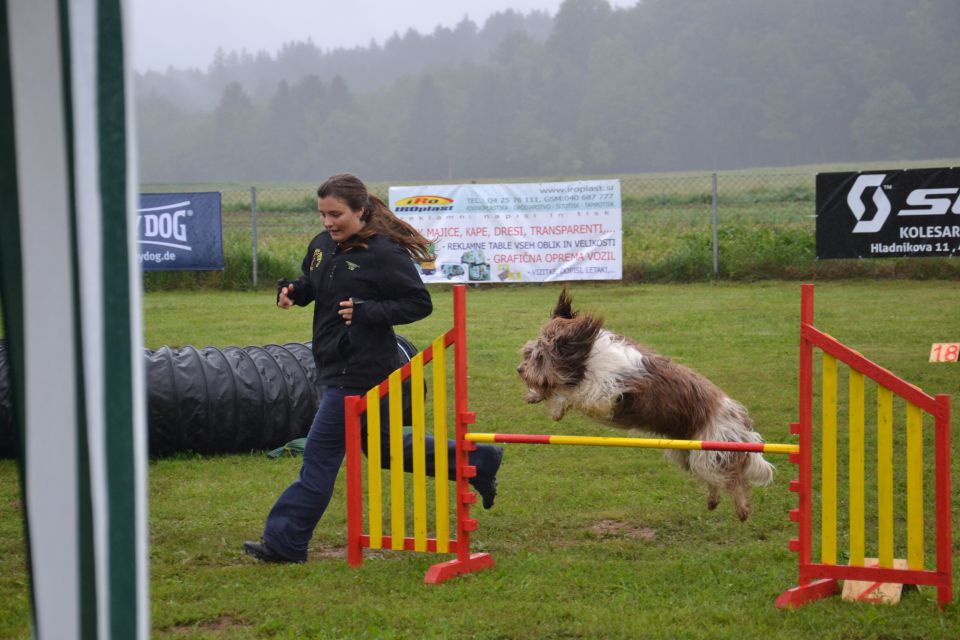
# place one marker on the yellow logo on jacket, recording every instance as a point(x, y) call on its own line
point(315, 261)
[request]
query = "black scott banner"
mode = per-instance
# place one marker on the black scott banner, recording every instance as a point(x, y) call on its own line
point(888, 214)
point(180, 231)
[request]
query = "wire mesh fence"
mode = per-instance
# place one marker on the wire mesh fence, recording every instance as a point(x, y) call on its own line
point(676, 227)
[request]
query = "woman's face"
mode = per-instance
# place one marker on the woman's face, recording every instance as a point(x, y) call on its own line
point(338, 218)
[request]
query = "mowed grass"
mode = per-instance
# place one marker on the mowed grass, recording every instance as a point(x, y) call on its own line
point(589, 542)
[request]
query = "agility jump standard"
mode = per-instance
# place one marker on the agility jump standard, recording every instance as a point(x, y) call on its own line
point(819, 579)
point(356, 406)
point(816, 579)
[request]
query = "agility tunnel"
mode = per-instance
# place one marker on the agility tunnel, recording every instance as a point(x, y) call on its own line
point(818, 481)
point(218, 401)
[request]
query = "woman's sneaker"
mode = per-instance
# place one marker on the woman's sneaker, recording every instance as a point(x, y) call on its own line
point(486, 485)
point(262, 552)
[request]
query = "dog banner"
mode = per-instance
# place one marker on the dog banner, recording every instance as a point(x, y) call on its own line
point(179, 232)
point(888, 214)
point(536, 232)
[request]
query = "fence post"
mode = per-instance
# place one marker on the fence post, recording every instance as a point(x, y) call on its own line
point(253, 224)
point(716, 252)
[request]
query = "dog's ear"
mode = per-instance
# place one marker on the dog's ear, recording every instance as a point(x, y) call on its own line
point(564, 308)
point(572, 345)
point(577, 338)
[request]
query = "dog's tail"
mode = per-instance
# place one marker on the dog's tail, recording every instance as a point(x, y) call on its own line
point(757, 471)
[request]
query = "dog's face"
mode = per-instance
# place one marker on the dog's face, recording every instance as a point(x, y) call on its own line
point(557, 358)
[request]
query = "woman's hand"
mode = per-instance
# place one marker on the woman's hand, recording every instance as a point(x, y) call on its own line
point(283, 300)
point(346, 311)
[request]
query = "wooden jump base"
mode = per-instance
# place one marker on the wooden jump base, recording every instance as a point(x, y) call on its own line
point(816, 579)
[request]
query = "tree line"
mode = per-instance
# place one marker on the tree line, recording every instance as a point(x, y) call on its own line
point(665, 85)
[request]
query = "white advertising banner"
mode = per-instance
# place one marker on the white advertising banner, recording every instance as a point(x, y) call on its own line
point(538, 232)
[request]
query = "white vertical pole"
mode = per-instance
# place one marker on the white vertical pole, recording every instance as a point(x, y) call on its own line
point(253, 223)
point(716, 242)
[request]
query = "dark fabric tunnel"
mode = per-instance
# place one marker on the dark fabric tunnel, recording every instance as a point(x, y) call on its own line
point(212, 400)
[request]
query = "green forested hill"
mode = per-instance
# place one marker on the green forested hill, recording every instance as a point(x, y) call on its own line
point(663, 85)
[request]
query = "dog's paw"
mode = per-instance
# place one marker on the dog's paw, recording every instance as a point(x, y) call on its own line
point(532, 396)
point(557, 413)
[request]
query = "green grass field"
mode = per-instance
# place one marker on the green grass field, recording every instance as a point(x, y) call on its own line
point(589, 542)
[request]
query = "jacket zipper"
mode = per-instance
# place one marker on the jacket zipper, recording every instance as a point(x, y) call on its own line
point(333, 270)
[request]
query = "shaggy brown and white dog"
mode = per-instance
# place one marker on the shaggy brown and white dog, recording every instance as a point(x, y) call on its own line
point(577, 364)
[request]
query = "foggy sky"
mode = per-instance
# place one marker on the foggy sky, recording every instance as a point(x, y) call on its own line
point(187, 33)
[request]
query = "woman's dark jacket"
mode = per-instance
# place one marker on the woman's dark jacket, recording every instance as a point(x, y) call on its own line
point(386, 289)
